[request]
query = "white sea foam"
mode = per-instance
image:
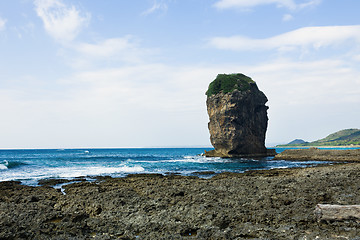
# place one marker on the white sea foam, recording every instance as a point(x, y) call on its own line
point(198, 159)
point(3, 165)
point(93, 171)
point(67, 172)
point(280, 167)
point(188, 159)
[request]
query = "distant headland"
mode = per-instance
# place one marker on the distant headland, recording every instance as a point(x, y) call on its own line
point(343, 138)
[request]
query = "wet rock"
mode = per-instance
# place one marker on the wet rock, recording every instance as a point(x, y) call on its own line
point(146, 175)
point(204, 173)
point(52, 181)
point(101, 178)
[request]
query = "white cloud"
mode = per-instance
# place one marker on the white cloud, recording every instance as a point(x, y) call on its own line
point(356, 58)
point(157, 6)
point(107, 47)
point(223, 4)
point(287, 17)
point(311, 3)
point(107, 53)
point(307, 94)
point(2, 24)
point(103, 108)
point(63, 23)
point(314, 37)
point(309, 82)
point(123, 49)
point(246, 4)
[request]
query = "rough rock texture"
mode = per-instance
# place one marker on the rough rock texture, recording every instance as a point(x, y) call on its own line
point(272, 204)
point(316, 154)
point(238, 122)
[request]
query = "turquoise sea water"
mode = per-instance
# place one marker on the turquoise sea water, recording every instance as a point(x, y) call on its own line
point(29, 166)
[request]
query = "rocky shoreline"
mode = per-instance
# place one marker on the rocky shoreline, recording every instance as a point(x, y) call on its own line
point(316, 154)
point(268, 204)
point(214, 153)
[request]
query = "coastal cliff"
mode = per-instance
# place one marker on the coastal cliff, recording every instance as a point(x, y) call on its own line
point(238, 117)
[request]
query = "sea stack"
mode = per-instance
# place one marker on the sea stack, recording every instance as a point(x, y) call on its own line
point(238, 117)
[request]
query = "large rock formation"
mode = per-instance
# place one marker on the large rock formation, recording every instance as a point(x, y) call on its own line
point(238, 117)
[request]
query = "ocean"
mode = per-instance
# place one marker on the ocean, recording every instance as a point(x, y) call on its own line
point(29, 166)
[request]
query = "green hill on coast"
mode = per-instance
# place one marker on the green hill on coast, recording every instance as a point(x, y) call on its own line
point(346, 137)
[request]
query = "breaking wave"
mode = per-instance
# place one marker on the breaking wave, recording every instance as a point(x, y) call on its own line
point(70, 172)
point(5, 164)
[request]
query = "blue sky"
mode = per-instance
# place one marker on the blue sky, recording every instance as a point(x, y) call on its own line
point(134, 73)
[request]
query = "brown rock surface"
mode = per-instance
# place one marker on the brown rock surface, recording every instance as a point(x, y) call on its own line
point(316, 154)
point(271, 204)
point(238, 118)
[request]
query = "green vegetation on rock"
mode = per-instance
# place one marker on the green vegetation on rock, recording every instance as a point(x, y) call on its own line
point(229, 82)
point(346, 137)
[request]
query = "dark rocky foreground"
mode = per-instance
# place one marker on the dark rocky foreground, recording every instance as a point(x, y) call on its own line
point(316, 154)
point(273, 204)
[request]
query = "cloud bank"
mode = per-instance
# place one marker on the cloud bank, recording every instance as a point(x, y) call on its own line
point(248, 4)
point(308, 37)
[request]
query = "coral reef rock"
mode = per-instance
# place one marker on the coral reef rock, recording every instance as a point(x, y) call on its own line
point(238, 117)
point(270, 204)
